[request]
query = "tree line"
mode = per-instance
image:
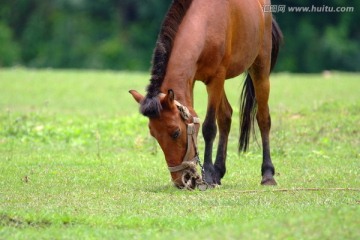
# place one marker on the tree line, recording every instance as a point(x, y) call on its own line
point(121, 34)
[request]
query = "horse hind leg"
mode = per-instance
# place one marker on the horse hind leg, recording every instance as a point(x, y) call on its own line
point(262, 89)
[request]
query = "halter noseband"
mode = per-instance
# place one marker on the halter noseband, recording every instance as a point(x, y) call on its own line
point(191, 139)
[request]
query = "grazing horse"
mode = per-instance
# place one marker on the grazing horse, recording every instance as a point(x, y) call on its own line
point(210, 41)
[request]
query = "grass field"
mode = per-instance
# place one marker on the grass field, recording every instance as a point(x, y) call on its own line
point(77, 162)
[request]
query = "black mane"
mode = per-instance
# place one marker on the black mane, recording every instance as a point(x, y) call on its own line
point(151, 106)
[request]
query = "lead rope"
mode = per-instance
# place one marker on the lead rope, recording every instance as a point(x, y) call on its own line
point(198, 158)
point(197, 121)
point(200, 183)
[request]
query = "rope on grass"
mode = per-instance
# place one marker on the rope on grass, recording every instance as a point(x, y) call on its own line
point(301, 189)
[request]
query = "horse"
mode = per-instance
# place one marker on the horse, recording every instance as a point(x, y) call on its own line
point(210, 41)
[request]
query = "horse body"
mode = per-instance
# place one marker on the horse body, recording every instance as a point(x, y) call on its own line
point(213, 41)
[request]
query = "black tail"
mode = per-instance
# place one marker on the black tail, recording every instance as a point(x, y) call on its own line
point(277, 39)
point(247, 98)
point(247, 113)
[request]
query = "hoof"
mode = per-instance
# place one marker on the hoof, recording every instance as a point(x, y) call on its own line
point(213, 180)
point(211, 177)
point(268, 181)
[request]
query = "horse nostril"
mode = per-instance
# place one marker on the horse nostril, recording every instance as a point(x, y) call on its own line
point(189, 180)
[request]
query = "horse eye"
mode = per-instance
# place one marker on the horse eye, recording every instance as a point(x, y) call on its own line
point(176, 134)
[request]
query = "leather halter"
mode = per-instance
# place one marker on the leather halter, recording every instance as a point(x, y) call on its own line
point(191, 139)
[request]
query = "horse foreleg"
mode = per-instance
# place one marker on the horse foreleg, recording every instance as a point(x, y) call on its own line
point(209, 129)
point(223, 117)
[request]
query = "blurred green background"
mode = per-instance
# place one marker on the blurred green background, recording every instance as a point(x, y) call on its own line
point(121, 34)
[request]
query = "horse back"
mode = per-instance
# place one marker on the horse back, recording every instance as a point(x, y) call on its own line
point(217, 36)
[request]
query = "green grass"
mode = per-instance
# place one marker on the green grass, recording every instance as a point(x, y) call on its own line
point(77, 162)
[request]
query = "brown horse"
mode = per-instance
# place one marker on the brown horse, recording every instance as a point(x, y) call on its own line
point(210, 41)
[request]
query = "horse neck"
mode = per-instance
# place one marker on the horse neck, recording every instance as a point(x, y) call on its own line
point(181, 67)
point(182, 87)
point(179, 77)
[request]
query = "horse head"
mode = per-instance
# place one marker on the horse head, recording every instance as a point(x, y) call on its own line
point(176, 130)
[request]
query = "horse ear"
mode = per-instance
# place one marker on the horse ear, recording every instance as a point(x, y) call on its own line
point(171, 95)
point(137, 96)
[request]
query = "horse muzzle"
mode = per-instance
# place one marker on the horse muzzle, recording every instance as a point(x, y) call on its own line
point(187, 179)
